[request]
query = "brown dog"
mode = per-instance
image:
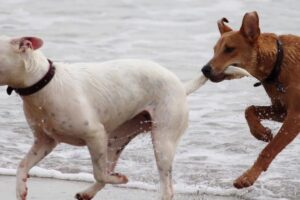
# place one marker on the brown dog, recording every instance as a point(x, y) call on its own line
point(275, 61)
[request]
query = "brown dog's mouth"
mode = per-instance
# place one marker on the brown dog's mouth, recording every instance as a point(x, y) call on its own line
point(226, 75)
point(217, 78)
point(230, 72)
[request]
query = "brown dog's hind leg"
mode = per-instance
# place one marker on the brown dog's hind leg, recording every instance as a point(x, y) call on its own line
point(254, 115)
point(286, 134)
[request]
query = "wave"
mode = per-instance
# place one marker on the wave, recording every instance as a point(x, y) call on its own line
point(179, 188)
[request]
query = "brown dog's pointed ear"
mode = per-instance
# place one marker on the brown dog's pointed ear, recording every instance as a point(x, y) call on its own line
point(223, 28)
point(250, 26)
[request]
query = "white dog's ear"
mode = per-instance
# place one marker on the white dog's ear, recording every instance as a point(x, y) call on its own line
point(25, 43)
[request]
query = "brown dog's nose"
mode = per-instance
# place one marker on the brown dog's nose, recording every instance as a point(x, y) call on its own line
point(206, 70)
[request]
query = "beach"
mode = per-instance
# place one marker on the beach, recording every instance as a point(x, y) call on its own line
point(49, 189)
point(216, 148)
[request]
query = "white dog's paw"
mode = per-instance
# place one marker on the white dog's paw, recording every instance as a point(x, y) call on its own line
point(117, 178)
point(22, 190)
point(90, 192)
point(83, 196)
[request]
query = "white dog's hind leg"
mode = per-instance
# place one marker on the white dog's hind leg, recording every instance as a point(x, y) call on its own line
point(169, 126)
point(164, 150)
point(42, 146)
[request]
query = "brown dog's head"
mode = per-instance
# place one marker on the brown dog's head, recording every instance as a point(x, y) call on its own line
point(235, 48)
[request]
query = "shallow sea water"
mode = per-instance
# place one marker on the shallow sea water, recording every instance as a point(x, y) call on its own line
point(180, 35)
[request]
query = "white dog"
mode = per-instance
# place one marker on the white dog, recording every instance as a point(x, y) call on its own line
point(101, 105)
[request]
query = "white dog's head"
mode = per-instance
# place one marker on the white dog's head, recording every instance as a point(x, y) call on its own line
point(16, 54)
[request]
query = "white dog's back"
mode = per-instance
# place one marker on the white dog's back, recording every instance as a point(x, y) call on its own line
point(119, 88)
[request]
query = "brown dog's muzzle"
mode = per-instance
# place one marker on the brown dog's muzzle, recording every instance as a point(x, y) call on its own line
point(208, 73)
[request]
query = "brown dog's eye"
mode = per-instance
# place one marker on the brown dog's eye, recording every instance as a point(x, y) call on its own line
point(228, 49)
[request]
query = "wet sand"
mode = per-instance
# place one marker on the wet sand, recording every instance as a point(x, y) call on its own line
point(49, 189)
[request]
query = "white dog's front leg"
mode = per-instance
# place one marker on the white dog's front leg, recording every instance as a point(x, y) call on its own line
point(97, 145)
point(118, 139)
point(42, 146)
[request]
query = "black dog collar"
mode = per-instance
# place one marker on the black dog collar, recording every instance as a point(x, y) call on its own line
point(37, 86)
point(273, 76)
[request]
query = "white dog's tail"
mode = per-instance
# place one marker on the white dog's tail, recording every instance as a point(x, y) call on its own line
point(192, 85)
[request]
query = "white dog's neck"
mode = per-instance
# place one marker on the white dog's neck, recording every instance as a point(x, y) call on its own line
point(36, 66)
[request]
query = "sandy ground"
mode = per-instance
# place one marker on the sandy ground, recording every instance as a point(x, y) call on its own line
point(49, 189)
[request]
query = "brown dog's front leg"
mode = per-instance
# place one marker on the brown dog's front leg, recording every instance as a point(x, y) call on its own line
point(254, 115)
point(288, 131)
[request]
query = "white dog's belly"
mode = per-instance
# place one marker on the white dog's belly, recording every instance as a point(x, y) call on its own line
point(68, 128)
point(62, 137)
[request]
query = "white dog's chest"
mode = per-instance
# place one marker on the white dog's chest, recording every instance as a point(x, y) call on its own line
point(62, 128)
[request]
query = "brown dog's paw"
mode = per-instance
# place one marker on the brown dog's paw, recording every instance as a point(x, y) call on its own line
point(82, 196)
point(242, 182)
point(247, 179)
point(262, 133)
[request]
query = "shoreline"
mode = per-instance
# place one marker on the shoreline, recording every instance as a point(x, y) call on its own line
point(49, 189)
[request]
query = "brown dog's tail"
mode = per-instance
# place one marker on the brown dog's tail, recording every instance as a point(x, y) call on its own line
point(192, 85)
